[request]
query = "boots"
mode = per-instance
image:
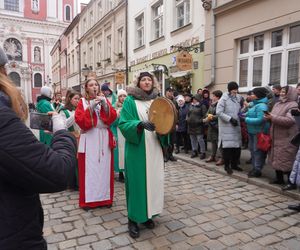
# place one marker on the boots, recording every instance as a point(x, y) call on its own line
point(210, 159)
point(134, 230)
point(177, 151)
point(194, 154)
point(220, 162)
point(121, 177)
point(202, 156)
point(279, 178)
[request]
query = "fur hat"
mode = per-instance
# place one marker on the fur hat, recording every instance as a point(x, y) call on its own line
point(3, 57)
point(122, 92)
point(46, 91)
point(260, 92)
point(232, 86)
point(142, 74)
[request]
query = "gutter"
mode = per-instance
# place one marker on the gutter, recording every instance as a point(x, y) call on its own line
point(213, 45)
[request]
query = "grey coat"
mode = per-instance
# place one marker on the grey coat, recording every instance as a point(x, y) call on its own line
point(229, 107)
point(295, 174)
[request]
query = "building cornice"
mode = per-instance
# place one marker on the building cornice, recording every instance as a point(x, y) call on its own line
point(229, 6)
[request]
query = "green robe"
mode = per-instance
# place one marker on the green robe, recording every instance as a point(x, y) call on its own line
point(44, 106)
point(135, 162)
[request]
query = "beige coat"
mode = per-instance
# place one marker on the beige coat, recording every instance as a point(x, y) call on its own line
point(282, 154)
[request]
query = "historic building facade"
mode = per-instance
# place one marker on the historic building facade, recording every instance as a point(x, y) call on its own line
point(28, 31)
point(253, 42)
point(167, 38)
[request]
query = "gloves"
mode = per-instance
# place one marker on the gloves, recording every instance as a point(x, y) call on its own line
point(93, 104)
point(59, 123)
point(233, 122)
point(295, 112)
point(146, 125)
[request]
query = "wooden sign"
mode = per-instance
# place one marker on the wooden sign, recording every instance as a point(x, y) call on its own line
point(184, 61)
point(119, 77)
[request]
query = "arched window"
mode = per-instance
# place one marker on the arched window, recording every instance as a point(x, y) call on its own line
point(13, 49)
point(37, 54)
point(38, 80)
point(15, 77)
point(67, 13)
point(35, 6)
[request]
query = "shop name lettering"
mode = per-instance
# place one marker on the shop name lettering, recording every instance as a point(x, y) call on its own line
point(186, 43)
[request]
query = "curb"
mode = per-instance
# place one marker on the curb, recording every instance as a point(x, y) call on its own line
point(260, 182)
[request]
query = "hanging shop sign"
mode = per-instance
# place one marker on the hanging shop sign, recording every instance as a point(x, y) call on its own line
point(119, 77)
point(184, 60)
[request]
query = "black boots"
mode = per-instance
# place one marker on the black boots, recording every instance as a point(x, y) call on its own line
point(121, 177)
point(149, 224)
point(194, 154)
point(294, 207)
point(134, 230)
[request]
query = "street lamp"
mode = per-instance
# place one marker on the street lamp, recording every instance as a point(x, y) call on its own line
point(85, 72)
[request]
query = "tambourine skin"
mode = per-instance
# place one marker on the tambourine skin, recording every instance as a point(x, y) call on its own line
point(163, 114)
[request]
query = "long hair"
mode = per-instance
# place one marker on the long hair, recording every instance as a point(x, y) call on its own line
point(70, 94)
point(17, 101)
point(85, 86)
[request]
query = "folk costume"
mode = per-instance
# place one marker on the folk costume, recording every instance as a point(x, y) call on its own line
point(95, 154)
point(119, 151)
point(144, 163)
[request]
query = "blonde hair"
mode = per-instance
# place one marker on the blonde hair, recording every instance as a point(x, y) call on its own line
point(17, 101)
point(85, 87)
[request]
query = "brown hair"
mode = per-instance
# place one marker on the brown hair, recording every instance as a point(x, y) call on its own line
point(17, 101)
point(85, 86)
point(70, 94)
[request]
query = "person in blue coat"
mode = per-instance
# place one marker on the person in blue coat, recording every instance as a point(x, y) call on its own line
point(256, 124)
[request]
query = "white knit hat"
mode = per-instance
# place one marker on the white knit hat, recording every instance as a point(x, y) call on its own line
point(3, 57)
point(122, 92)
point(46, 91)
point(179, 98)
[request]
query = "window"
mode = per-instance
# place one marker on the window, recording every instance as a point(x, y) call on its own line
point(12, 5)
point(272, 57)
point(73, 63)
point(139, 24)
point(35, 6)
point(72, 37)
point(157, 11)
point(100, 9)
point(84, 25)
point(67, 13)
point(38, 80)
point(293, 75)
point(16, 79)
point(295, 34)
point(99, 53)
point(91, 18)
point(182, 12)
point(108, 47)
point(120, 41)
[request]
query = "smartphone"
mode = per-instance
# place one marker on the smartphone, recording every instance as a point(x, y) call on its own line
point(40, 121)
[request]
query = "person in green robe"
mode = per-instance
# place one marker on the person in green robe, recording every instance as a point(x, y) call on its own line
point(144, 163)
point(119, 154)
point(44, 106)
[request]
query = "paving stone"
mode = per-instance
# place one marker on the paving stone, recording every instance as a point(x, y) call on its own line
point(279, 225)
point(243, 225)
point(120, 240)
point(229, 240)
point(103, 245)
point(94, 229)
point(160, 242)
point(176, 237)
point(105, 234)
point(214, 245)
point(191, 231)
point(87, 239)
point(76, 233)
point(180, 246)
point(213, 234)
point(143, 245)
point(112, 216)
point(207, 227)
point(62, 228)
point(55, 238)
point(174, 225)
point(67, 244)
point(268, 240)
point(264, 230)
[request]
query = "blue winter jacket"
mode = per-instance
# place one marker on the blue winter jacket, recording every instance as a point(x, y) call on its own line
point(255, 117)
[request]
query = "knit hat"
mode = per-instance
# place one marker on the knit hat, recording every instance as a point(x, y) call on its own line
point(46, 91)
point(232, 86)
point(3, 57)
point(104, 87)
point(197, 97)
point(276, 86)
point(260, 92)
point(122, 92)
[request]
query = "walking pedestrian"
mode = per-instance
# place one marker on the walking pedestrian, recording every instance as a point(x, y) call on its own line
point(94, 114)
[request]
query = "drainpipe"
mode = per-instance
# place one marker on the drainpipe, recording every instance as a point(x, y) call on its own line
point(213, 44)
point(79, 65)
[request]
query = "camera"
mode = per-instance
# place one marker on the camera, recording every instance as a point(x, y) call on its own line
point(41, 121)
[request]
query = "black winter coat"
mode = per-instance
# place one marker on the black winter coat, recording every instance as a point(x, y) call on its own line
point(28, 168)
point(195, 118)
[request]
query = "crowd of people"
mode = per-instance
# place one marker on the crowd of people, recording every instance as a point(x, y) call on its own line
point(101, 132)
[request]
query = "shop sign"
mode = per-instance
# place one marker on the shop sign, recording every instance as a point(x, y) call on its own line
point(119, 77)
point(184, 60)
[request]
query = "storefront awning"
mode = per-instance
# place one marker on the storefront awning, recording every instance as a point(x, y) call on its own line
point(180, 73)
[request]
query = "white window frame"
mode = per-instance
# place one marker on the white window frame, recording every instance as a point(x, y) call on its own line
point(65, 14)
point(140, 41)
point(266, 54)
point(108, 46)
point(35, 9)
point(159, 18)
point(186, 12)
point(121, 40)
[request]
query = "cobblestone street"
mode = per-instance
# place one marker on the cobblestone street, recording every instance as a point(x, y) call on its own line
point(203, 210)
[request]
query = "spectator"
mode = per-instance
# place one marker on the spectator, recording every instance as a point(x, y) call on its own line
point(181, 126)
point(213, 130)
point(283, 128)
point(195, 125)
point(256, 124)
point(276, 89)
point(228, 109)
